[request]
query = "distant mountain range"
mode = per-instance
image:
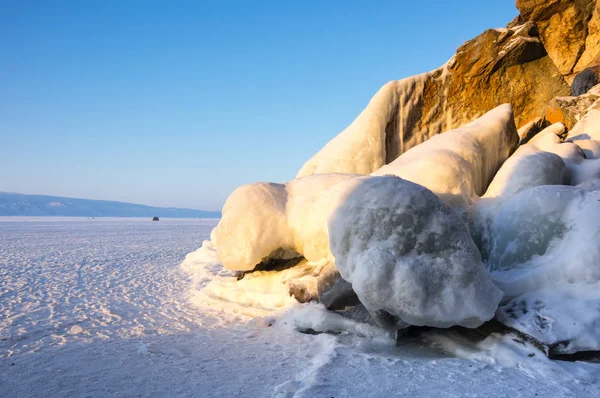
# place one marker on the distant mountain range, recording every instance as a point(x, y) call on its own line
point(16, 204)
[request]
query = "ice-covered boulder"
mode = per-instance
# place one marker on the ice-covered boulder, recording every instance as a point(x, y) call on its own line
point(529, 130)
point(528, 167)
point(273, 221)
point(578, 155)
point(409, 257)
point(264, 222)
point(544, 160)
point(542, 223)
point(546, 259)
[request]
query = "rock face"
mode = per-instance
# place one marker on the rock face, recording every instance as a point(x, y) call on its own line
point(498, 66)
point(569, 30)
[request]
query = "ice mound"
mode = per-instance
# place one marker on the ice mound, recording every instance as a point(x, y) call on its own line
point(266, 223)
point(546, 259)
point(547, 222)
point(409, 257)
point(279, 221)
point(441, 236)
point(267, 220)
point(458, 165)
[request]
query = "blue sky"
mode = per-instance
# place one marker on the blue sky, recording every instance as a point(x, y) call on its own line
point(178, 103)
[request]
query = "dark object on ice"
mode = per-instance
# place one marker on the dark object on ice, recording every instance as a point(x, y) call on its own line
point(339, 296)
point(585, 80)
point(552, 351)
point(326, 287)
point(314, 332)
point(154, 218)
point(271, 264)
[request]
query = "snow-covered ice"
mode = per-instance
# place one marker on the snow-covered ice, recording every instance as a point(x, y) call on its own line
point(102, 308)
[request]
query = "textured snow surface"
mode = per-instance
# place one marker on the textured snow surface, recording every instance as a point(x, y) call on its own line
point(440, 363)
point(103, 308)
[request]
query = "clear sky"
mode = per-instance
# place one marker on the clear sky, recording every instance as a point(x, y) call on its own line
point(176, 103)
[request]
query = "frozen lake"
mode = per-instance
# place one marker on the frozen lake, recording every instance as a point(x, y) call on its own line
point(100, 307)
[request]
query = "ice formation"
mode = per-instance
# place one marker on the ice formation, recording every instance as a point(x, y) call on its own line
point(263, 222)
point(277, 221)
point(537, 227)
point(433, 229)
point(409, 257)
point(376, 136)
point(458, 165)
point(545, 258)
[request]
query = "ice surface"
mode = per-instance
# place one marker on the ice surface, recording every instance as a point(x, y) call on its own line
point(142, 336)
point(101, 278)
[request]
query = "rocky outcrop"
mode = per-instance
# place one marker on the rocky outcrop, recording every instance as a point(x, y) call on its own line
point(588, 126)
point(569, 30)
point(499, 66)
point(570, 110)
point(503, 66)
